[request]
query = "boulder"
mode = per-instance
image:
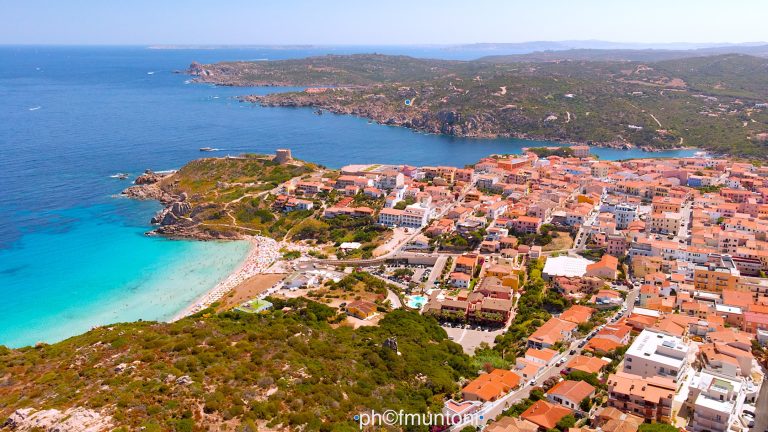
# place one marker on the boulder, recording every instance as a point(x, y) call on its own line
point(149, 177)
point(76, 419)
point(184, 380)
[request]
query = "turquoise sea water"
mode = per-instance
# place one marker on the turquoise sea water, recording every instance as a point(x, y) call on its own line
point(104, 271)
point(71, 254)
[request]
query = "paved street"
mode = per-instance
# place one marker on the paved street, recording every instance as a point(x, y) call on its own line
point(437, 269)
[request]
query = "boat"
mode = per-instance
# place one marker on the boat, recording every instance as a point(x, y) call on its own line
point(208, 149)
point(120, 176)
point(150, 73)
point(35, 108)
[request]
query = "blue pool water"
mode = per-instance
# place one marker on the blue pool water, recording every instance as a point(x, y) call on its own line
point(416, 301)
point(71, 254)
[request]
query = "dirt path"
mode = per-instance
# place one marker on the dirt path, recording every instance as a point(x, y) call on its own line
point(655, 119)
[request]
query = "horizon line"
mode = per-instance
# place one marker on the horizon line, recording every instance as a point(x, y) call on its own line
point(425, 44)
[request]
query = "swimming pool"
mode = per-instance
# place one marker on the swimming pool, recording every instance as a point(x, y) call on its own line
point(415, 301)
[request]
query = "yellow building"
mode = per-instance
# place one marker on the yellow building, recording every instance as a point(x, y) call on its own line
point(643, 265)
point(714, 278)
point(361, 309)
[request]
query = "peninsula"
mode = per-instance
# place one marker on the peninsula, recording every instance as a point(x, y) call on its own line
point(716, 102)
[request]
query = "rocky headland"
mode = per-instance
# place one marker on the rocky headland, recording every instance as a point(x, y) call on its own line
point(219, 198)
point(179, 218)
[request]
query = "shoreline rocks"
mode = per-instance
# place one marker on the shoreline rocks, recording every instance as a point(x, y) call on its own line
point(177, 218)
point(446, 122)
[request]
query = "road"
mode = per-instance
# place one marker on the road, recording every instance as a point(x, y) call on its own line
point(394, 300)
point(437, 270)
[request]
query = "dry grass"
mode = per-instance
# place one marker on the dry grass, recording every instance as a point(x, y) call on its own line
point(560, 241)
point(249, 289)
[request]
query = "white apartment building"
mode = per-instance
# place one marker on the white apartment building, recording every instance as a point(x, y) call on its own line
point(390, 180)
point(624, 214)
point(657, 354)
point(414, 216)
point(716, 402)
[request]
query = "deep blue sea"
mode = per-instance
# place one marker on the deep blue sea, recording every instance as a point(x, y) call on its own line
point(72, 255)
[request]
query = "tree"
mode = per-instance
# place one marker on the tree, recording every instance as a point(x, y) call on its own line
point(657, 427)
point(402, 272)
point(585, 404)
point(537, 394)
point(566, 422)
point(589, 378)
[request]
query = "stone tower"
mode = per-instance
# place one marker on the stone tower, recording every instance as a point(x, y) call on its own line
point(283, 156)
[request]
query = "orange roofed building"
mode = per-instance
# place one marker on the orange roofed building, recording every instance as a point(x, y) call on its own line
point(570, 393)
point(591, 365)
point(544, 414)
point(491, 386)
point(606, 268)
point(552, 332)
point(511, 424)
point(650, 398)
point(577, 314)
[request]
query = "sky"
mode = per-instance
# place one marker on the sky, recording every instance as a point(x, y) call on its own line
point(380, 22)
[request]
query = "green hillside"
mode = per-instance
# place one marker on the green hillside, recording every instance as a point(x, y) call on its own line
point(289, 368)
point(703, 101)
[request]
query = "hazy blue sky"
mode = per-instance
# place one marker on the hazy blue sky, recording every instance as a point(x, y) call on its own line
point(360, 22)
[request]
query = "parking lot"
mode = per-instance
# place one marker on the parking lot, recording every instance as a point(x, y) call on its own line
point(471, 338)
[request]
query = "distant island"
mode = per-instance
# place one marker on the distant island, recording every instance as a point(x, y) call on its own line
point(716, 102)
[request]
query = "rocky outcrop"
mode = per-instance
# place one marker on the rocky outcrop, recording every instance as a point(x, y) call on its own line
point(196, 68)
point(148, 187)
point(177, 212)
point(147, 192)
point(149, 177)
point(52, 420)
point(179, 218)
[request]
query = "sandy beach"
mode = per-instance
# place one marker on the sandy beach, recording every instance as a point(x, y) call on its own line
point(264, 252)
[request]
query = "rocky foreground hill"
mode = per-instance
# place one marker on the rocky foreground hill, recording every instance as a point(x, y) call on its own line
point(291, 368)
point(713, 102)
